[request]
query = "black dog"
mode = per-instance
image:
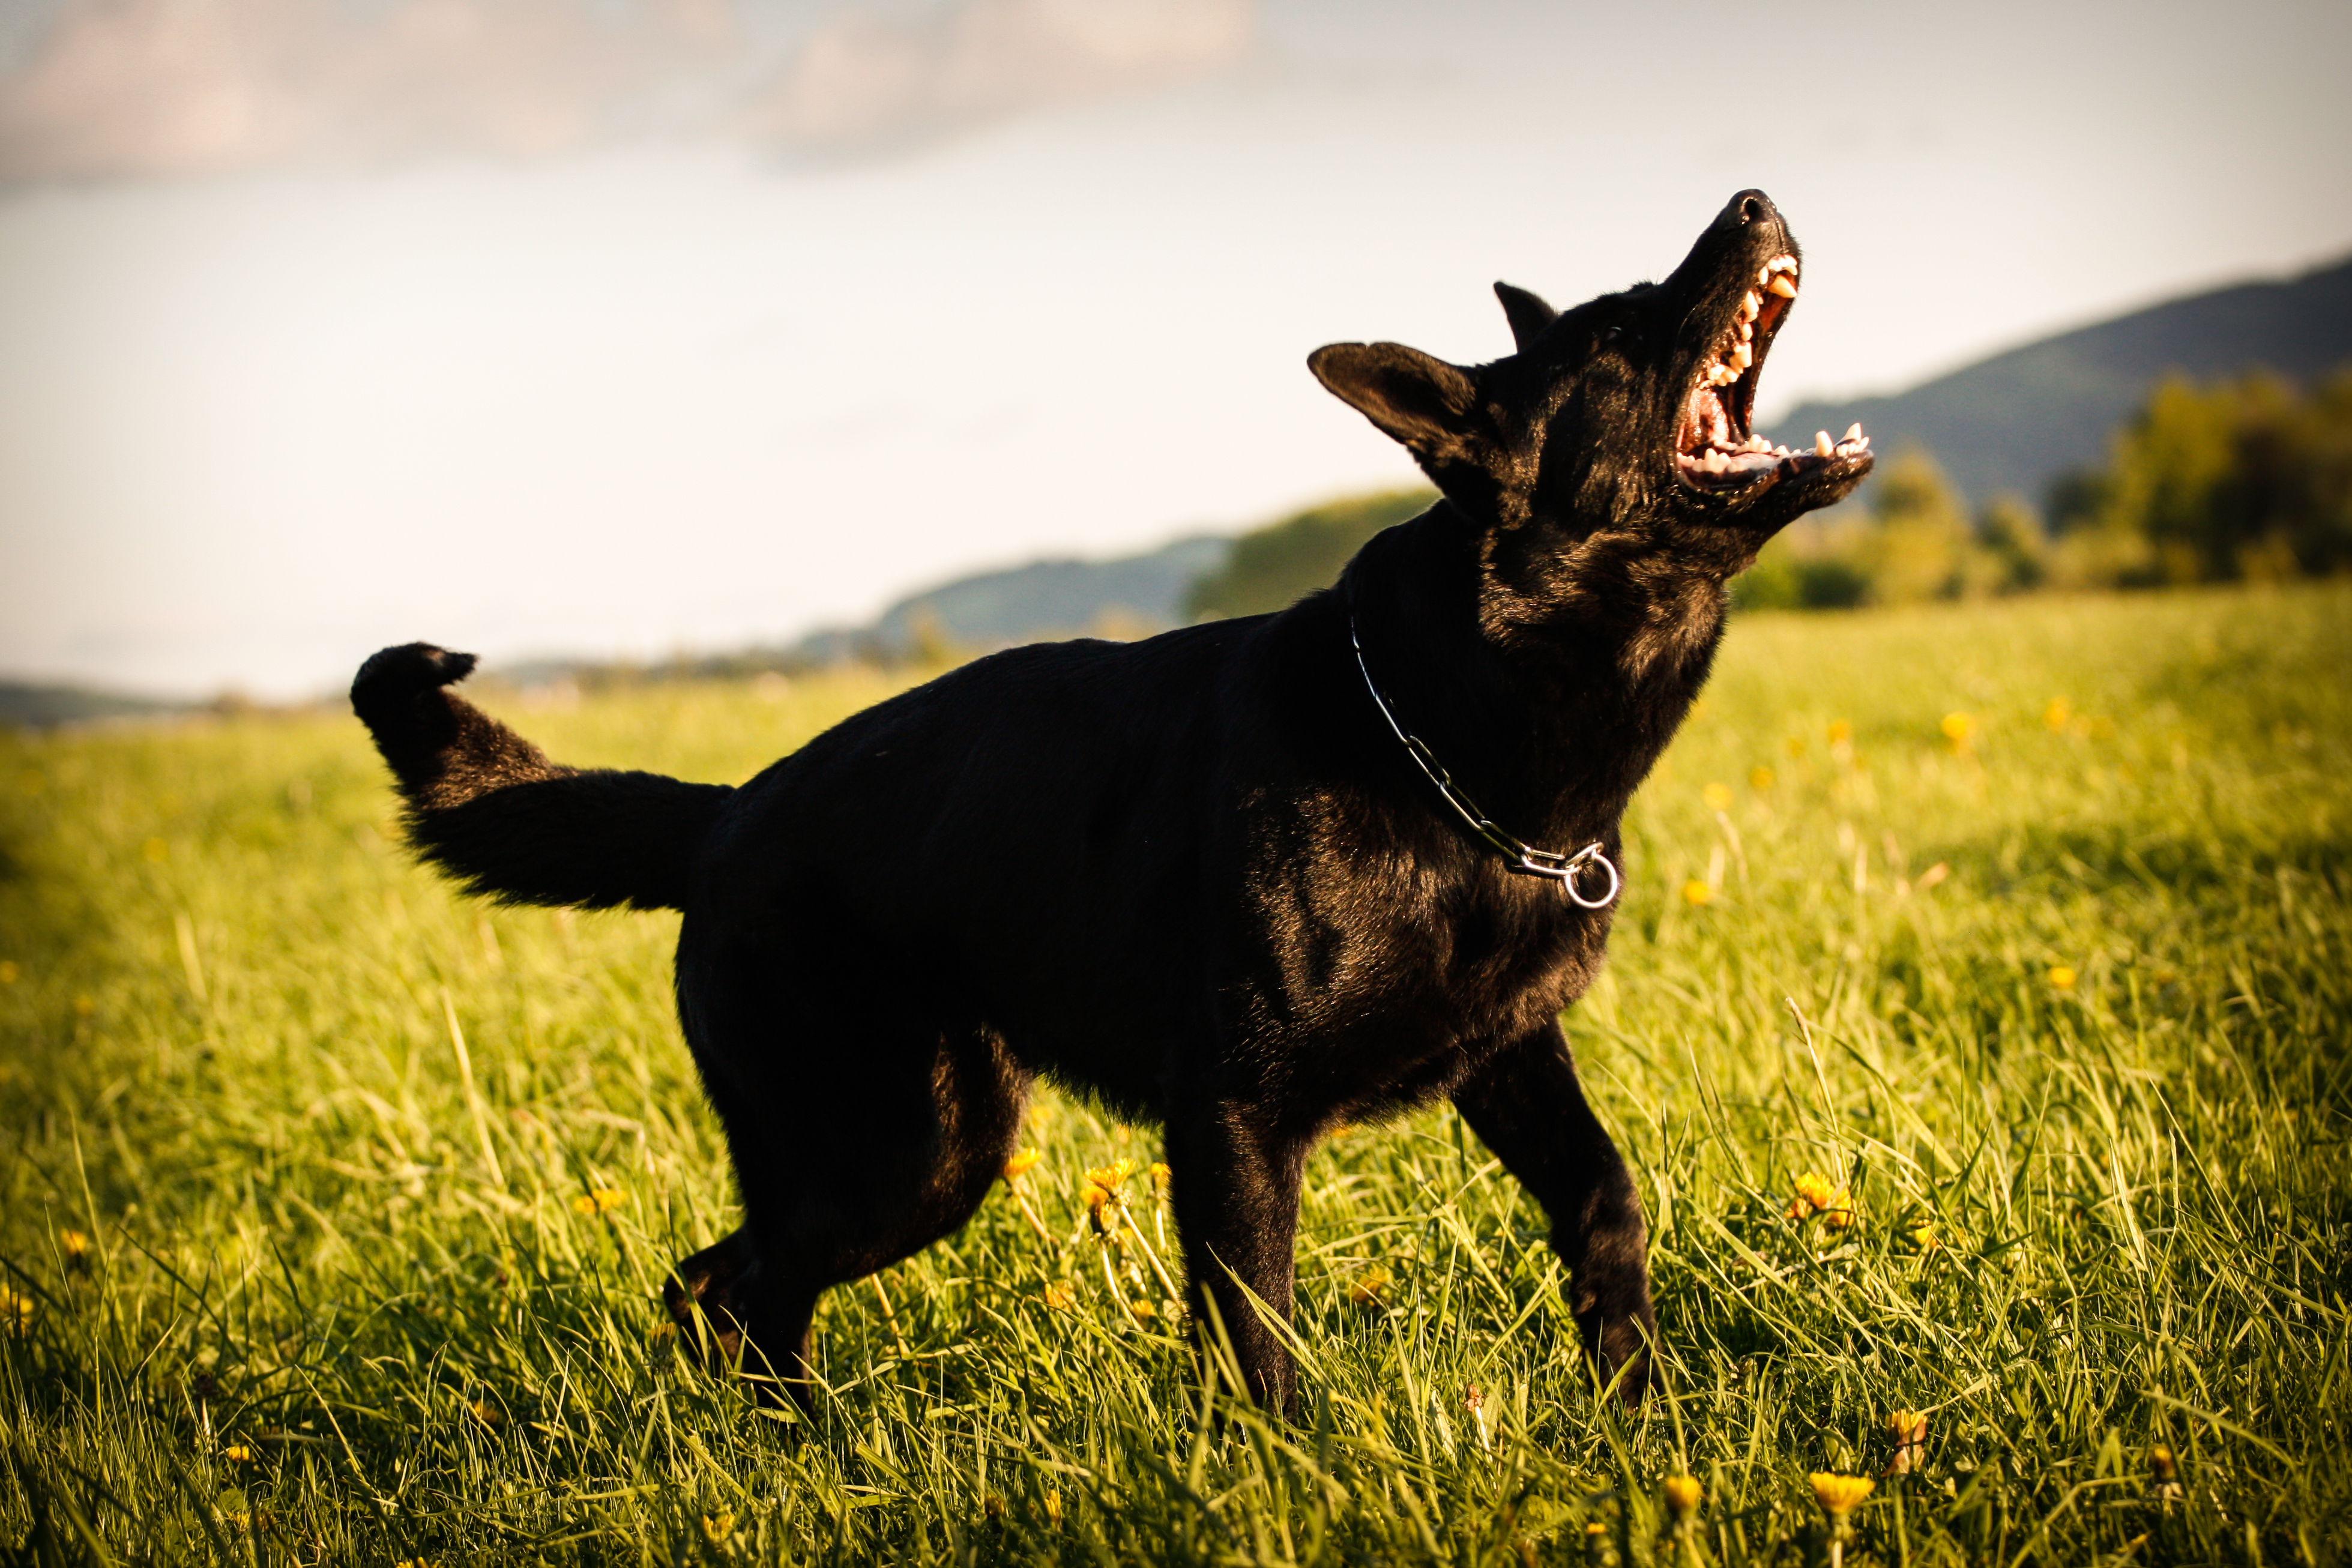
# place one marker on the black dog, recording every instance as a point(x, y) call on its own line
point(1221, 879)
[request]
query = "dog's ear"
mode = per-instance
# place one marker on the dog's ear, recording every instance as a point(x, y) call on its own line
point(1417, 399)
point(1527, 314)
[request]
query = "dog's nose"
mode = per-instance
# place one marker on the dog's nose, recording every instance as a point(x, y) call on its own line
point(1748, 208)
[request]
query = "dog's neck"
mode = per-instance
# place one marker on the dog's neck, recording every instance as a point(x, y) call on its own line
point(1546, 674)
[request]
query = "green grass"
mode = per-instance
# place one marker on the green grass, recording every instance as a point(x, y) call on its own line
point(340, 1301)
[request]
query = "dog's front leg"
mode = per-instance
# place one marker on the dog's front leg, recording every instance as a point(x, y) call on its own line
point(1235, 1184)
point(1526, 1104)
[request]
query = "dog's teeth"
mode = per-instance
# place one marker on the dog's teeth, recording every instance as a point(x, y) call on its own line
point(1746, 331)
point(1853, 431)
point(1782, 286)
point(1764, 276)
point(1743, 356)
point(1751, 305)
point(1715, 462)
point(1823, 445)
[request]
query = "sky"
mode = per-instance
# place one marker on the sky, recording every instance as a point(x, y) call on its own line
point(634, 327)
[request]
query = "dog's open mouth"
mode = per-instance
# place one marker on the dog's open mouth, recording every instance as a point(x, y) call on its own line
point(1714, 448)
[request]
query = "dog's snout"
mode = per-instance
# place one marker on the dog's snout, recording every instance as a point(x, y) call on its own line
point(1748, 207)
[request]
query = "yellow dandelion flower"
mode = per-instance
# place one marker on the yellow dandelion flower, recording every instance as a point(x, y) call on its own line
point(1111, 1177)
point(487, 1413)
point(237, 1454)
point(1925, 1238)
point(2161, 1470)
point(76, 1247)
point(1817, 1194)
point(16, 1311)
point(1060, 1296)
point(1718, 796)
point(1141, 1310)
point(1910, 1430)
point(1841, 1495)
point(1839, 731)
point(1053, 1509)
point(1596, 1544)
point(1698, 894)
point(718, 1527)
point(1762, 778)
point(1161, 1176)
point(1019, 1166)
point(1838, 1497)
point(2061, 978)
point(992, 1506)
point(2054, 717)
point(602, 1200)
point(1683, 1494)
point(1365, 1289)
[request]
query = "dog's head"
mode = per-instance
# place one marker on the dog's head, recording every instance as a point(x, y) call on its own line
point(1630, 413)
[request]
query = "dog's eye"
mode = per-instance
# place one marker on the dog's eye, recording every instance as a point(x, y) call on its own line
point(1619, 335)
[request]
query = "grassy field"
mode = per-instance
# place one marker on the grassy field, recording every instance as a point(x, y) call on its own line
point(333, 1210)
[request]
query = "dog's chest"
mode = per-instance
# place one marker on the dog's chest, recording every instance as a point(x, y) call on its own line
point(1388, 977)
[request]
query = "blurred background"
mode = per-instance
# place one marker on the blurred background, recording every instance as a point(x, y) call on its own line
point(694, 335)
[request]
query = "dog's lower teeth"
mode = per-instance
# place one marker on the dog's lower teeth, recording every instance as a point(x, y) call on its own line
point(1823, 445)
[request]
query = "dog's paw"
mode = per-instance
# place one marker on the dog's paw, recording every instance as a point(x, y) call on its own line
point(707, 1296)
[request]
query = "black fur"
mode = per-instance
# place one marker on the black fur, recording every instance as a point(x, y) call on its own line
point(1196, 876)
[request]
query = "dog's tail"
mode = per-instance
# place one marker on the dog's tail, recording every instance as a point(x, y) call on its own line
point(488, 807)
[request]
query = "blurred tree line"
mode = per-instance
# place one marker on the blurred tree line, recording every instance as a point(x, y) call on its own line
point(1272, 568)
point(2249, 478)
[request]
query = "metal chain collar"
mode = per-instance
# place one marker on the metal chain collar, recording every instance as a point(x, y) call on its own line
point(1523, 858)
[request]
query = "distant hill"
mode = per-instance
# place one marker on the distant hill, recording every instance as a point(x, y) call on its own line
point(1128, 595)
point(30, 705)
point(2017, 421)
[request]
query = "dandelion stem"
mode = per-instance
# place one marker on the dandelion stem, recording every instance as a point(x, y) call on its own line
point(1031, 1216)
point(1152, 1257)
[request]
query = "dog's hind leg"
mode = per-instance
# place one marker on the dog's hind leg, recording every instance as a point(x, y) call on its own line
point(1527, 1106)
point(863, 1131)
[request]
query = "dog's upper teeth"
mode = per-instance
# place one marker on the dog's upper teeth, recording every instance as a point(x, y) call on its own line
point(1746, 331)
point(1751, 305)
point(1783, 285)
point(1743, 356)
